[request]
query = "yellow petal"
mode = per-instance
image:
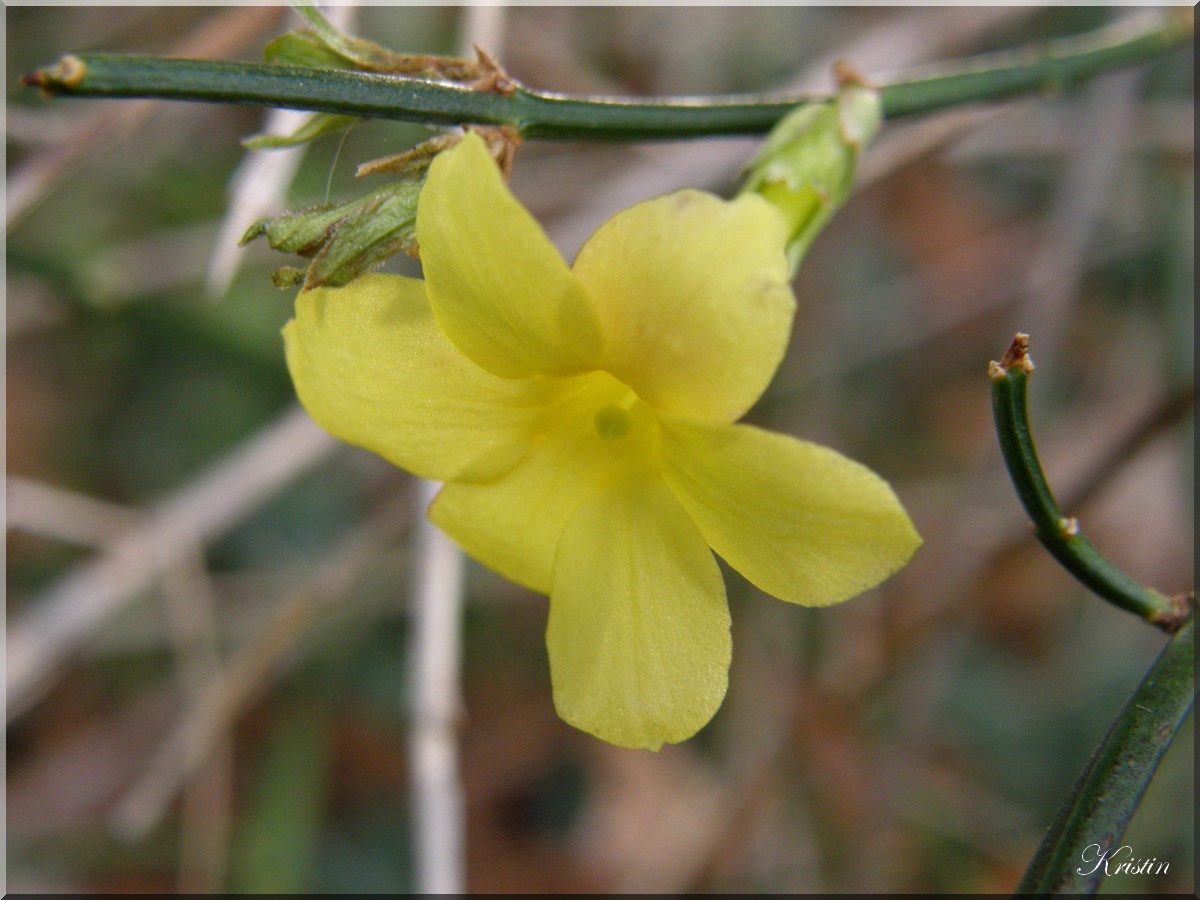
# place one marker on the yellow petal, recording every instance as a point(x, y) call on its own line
point(639, 627)
point(801, 521)
point(372, 367)
point(513, 525)
point(498, 287)
point(693, 294)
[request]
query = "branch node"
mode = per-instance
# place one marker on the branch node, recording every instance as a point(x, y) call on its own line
point(1068, 527)
point(1017, 353)
point(68, 73)
point(846, 75)
point(1180, 611)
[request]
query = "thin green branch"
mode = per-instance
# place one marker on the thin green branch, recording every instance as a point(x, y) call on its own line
point(1058, 533)
point(1083, 844)
point(1046, 68)
point(537, 114)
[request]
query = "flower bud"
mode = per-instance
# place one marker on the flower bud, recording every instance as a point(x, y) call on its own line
point(806, 167)
point(344, 240)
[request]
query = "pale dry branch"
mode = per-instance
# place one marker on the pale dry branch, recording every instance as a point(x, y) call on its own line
point(1161, 126)
point(438, 810)
point(259, 186)
point(436, 704)
point(63, 515)
point(900, 42)
point(208, 719)
point(206, 813)
point(60, 621)
point(1102, 139)
point(221, 36)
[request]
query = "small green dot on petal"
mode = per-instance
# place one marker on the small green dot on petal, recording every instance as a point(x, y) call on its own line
point(613, 422)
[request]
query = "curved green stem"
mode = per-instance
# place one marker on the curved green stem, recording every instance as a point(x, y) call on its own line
point(1059, 534)
point(538, 114)
point(1083, 844)
point(1046, 68)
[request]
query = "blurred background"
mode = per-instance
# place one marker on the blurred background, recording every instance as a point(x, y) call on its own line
point(207, 598)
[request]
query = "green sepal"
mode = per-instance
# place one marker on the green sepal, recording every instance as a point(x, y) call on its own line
point(355, 52)
point(806, 166)
point(304, 48)
point(317, 126)
point(344, 240)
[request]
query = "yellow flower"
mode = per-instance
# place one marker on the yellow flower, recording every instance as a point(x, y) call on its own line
point(582, 421)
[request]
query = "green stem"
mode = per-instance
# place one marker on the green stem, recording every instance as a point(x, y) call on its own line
point(1059, 534)
point(1090, 824)
point(1052, 66)
point(537, 114)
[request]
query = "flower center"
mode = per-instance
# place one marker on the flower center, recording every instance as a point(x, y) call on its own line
point(613, 422)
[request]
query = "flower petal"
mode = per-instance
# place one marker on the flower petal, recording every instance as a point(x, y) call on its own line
point(693, 292)
point(513, 525)
point(639, 626)
point(800, 521)
point(372, 367)
point(499, 288)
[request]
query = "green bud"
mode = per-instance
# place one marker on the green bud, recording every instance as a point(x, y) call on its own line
point(806, 167)
point(287, 277)
point(344, 240)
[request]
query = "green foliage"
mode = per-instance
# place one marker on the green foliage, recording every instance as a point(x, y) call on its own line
point(345, 239)
point(275, 852)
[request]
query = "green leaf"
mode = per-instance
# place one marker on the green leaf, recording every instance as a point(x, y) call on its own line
point(280, 829)
point(1097, 811)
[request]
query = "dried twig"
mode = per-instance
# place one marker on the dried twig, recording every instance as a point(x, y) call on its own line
point(436, 704)
point(220, 37)
point(63, 515)
point(73, 610)
point(902, 41)
point(206, 720)
point(1102, 142)
point(208, 796)
point(438, 811)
